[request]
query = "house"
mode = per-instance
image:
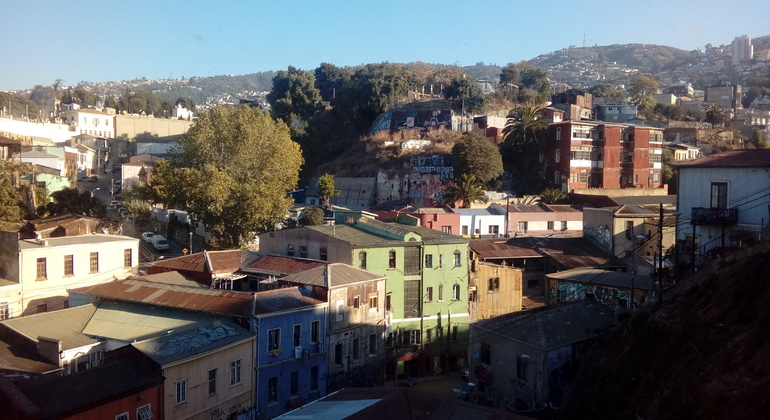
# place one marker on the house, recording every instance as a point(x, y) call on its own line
point(622, 230)
point(181, 112)
point(682, 151)
point(355, 193)
point(612, 288)
point(527, 359)
point(356, 322)
point(215, 269)
point(90, 121)
point(92, 394)
point(722, 202)
point(588, 154)
point(47, 266)
point(427, 285)
point(136, 172)
point(576, 104)
point(482, 223)
point(10, 305)
point(262, 271)
point(727, 96)
point(494, 290)
point(616, 113)
point(40, 158)
point(441, 219)
point(551, 220)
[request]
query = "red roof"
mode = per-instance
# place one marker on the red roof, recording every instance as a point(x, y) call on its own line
point(282, 265)
point(214, 262)
point(732, 158)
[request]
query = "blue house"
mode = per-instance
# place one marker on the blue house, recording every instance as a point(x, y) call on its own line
point(291, 355)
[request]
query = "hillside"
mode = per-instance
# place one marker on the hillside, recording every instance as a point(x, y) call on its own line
point(645, 57)
point(702, 356)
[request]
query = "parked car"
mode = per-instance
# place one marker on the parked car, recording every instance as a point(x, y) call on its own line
point(160, 243)
point(114, 204)
point(93, 179)
point(117, 183)
point(147, 237)
point(464, 390)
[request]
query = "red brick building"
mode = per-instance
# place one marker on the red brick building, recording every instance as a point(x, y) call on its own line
point(593, 154)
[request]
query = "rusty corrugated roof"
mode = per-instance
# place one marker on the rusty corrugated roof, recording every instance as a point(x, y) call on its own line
point(501, 248)
point(275, 264)
point(214, 262)
point(731, 158)
point(336, 274)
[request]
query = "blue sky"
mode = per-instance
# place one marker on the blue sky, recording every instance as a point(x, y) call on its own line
point(43, 40)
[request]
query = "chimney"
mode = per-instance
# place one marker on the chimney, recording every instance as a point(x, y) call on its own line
point(49, 348)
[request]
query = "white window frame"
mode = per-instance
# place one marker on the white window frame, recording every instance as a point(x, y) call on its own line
point(235, 372)
point(144, 412)
point(181, 391)
point(122, 416)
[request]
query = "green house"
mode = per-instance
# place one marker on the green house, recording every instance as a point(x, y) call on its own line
point(426, 297)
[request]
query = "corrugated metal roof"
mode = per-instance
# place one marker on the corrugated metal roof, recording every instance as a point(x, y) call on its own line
point(16, 360)
point(333, 275)
point(603, 277)
point(551, 329)
point(567, 253)
point(430, 210)
point(285, 299)
point(94, 238)
point(132, 322)
point(361, 238)
point(194, 341)
point(391, 228)
point(173, 277)
point(731, 158)
point(209, 300)
point(221, 262)
point(273, 264)
point(500, 249)
point(65, 325)
point(649, 200)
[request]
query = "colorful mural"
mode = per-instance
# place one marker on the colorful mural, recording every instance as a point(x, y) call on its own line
point(600, 235)
point(568, 292)
point(413, 120)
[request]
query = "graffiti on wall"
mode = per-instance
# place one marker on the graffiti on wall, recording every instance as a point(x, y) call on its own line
point(567, 292)
point(600, 235)
point(193, 342)
point(435, 164)
point(413, 120)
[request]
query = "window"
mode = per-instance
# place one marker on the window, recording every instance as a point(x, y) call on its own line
point(373, 302)
point(558, 134)
point(458, 262)
point(127, 258)
point(465, 230)
point(440, 292)
point(493, 284)
point(349, 219)
point(314, 378)
point(414, 337)
point(315, 327)
point(428, 336)
point(411, 260)
point(340, 310)
point(446, 229)
point(294, 387)
point(429, 294)
point(372, 343)
point(388, 306)
point(718, 197)
point(411, 298)
point(581, 132)
point(440, 260)
point(274, 340)
point(455, 332)
point(42, 271)
point(392, 259)
point(94, 262)
point(557, 178)
point(521, 366)
point(564, 225)
point(338, 354)
point(629, 228)
point(550, 225)
point(181, 391)
point(557, 156)
point(428, 260)
point(290, 250)
point(4, 311)
point(212, 381)
point(123, 416)
point(580, 154)
point(297, 335)
point(362, 260)
point(272, 390)
point(456, 292)
point(235, 372)
point(69, 267)
point(302, 251)
point(485, 355)
point(356, 302)
point(655, 157)
point(523, 227)
point(583, 176)
point(494, 229)
point(323, 253)
point(356, 348)
point(144, 412)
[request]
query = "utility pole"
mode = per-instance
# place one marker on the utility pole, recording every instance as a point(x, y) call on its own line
point(660, 256)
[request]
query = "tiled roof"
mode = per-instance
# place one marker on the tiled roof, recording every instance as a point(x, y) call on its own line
point(553, 328)
point(603, 277)
point(284, 299)
point(65, 325)
point(214, 262)
point(193, 298)
point(731, 158)
point(274, 264)
point(338, 274)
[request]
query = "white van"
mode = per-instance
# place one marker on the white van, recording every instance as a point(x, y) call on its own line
point(159, 243)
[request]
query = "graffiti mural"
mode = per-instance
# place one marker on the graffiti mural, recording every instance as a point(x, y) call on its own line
point(568, 292)
point(600, 235)
point(192, 342)
point(413, 120)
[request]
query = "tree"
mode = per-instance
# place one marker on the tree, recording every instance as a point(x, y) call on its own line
point(604, 90)
point(466, 189)
point(669, 172)
point(466, 89)
point(311, 216)
point(715, 114)
point(474, 155)
point(527, 79)
point(524, 128)
point(524, 139)
point(642, 90)
point(11, 203)
point(70, 200)
point(231, 171)
point(330, 80)
point(551, 195)
point(326, 190)
point(294, 95)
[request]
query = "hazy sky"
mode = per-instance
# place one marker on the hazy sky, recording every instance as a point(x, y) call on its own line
point(42, 40)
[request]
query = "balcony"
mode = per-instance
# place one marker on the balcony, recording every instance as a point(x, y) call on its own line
point(713, 216)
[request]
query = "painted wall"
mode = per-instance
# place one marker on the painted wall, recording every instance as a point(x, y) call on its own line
point(494, 301)
point(598, 227)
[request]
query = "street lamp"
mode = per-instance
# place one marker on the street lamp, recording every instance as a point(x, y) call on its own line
point(93, 191)
point(191, 250)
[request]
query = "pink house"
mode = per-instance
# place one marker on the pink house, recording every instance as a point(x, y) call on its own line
point(545, 220)
point(441, 219)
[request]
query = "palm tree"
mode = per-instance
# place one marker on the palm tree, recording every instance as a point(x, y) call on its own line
point(551, 195)
point(466, 189)
point(524, 129)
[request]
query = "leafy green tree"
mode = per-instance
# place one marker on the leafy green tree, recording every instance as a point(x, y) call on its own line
point(474, 155)
point(715, 114)
point(466, 89)
point(70, 200)
point(604, 90)
point(527, 79)
point(232, 171)
point(466, 189)
point(311, 216)
point(669, 172)
point(374, 89)
point(294, 94)
point(642, 90)
point(326, 190)
point(11, 203)
point(330, 80)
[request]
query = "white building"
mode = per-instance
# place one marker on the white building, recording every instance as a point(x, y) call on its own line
point(91, 121)
point(482, 223)
point(742, 49)
point(181, 112)
point(43, 159)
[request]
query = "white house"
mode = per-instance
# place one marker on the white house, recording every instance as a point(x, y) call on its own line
point(91, 121)
point(46, 268)
point(723, 201)
point(181, 112)
point(482, 223)
point(43, 159)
